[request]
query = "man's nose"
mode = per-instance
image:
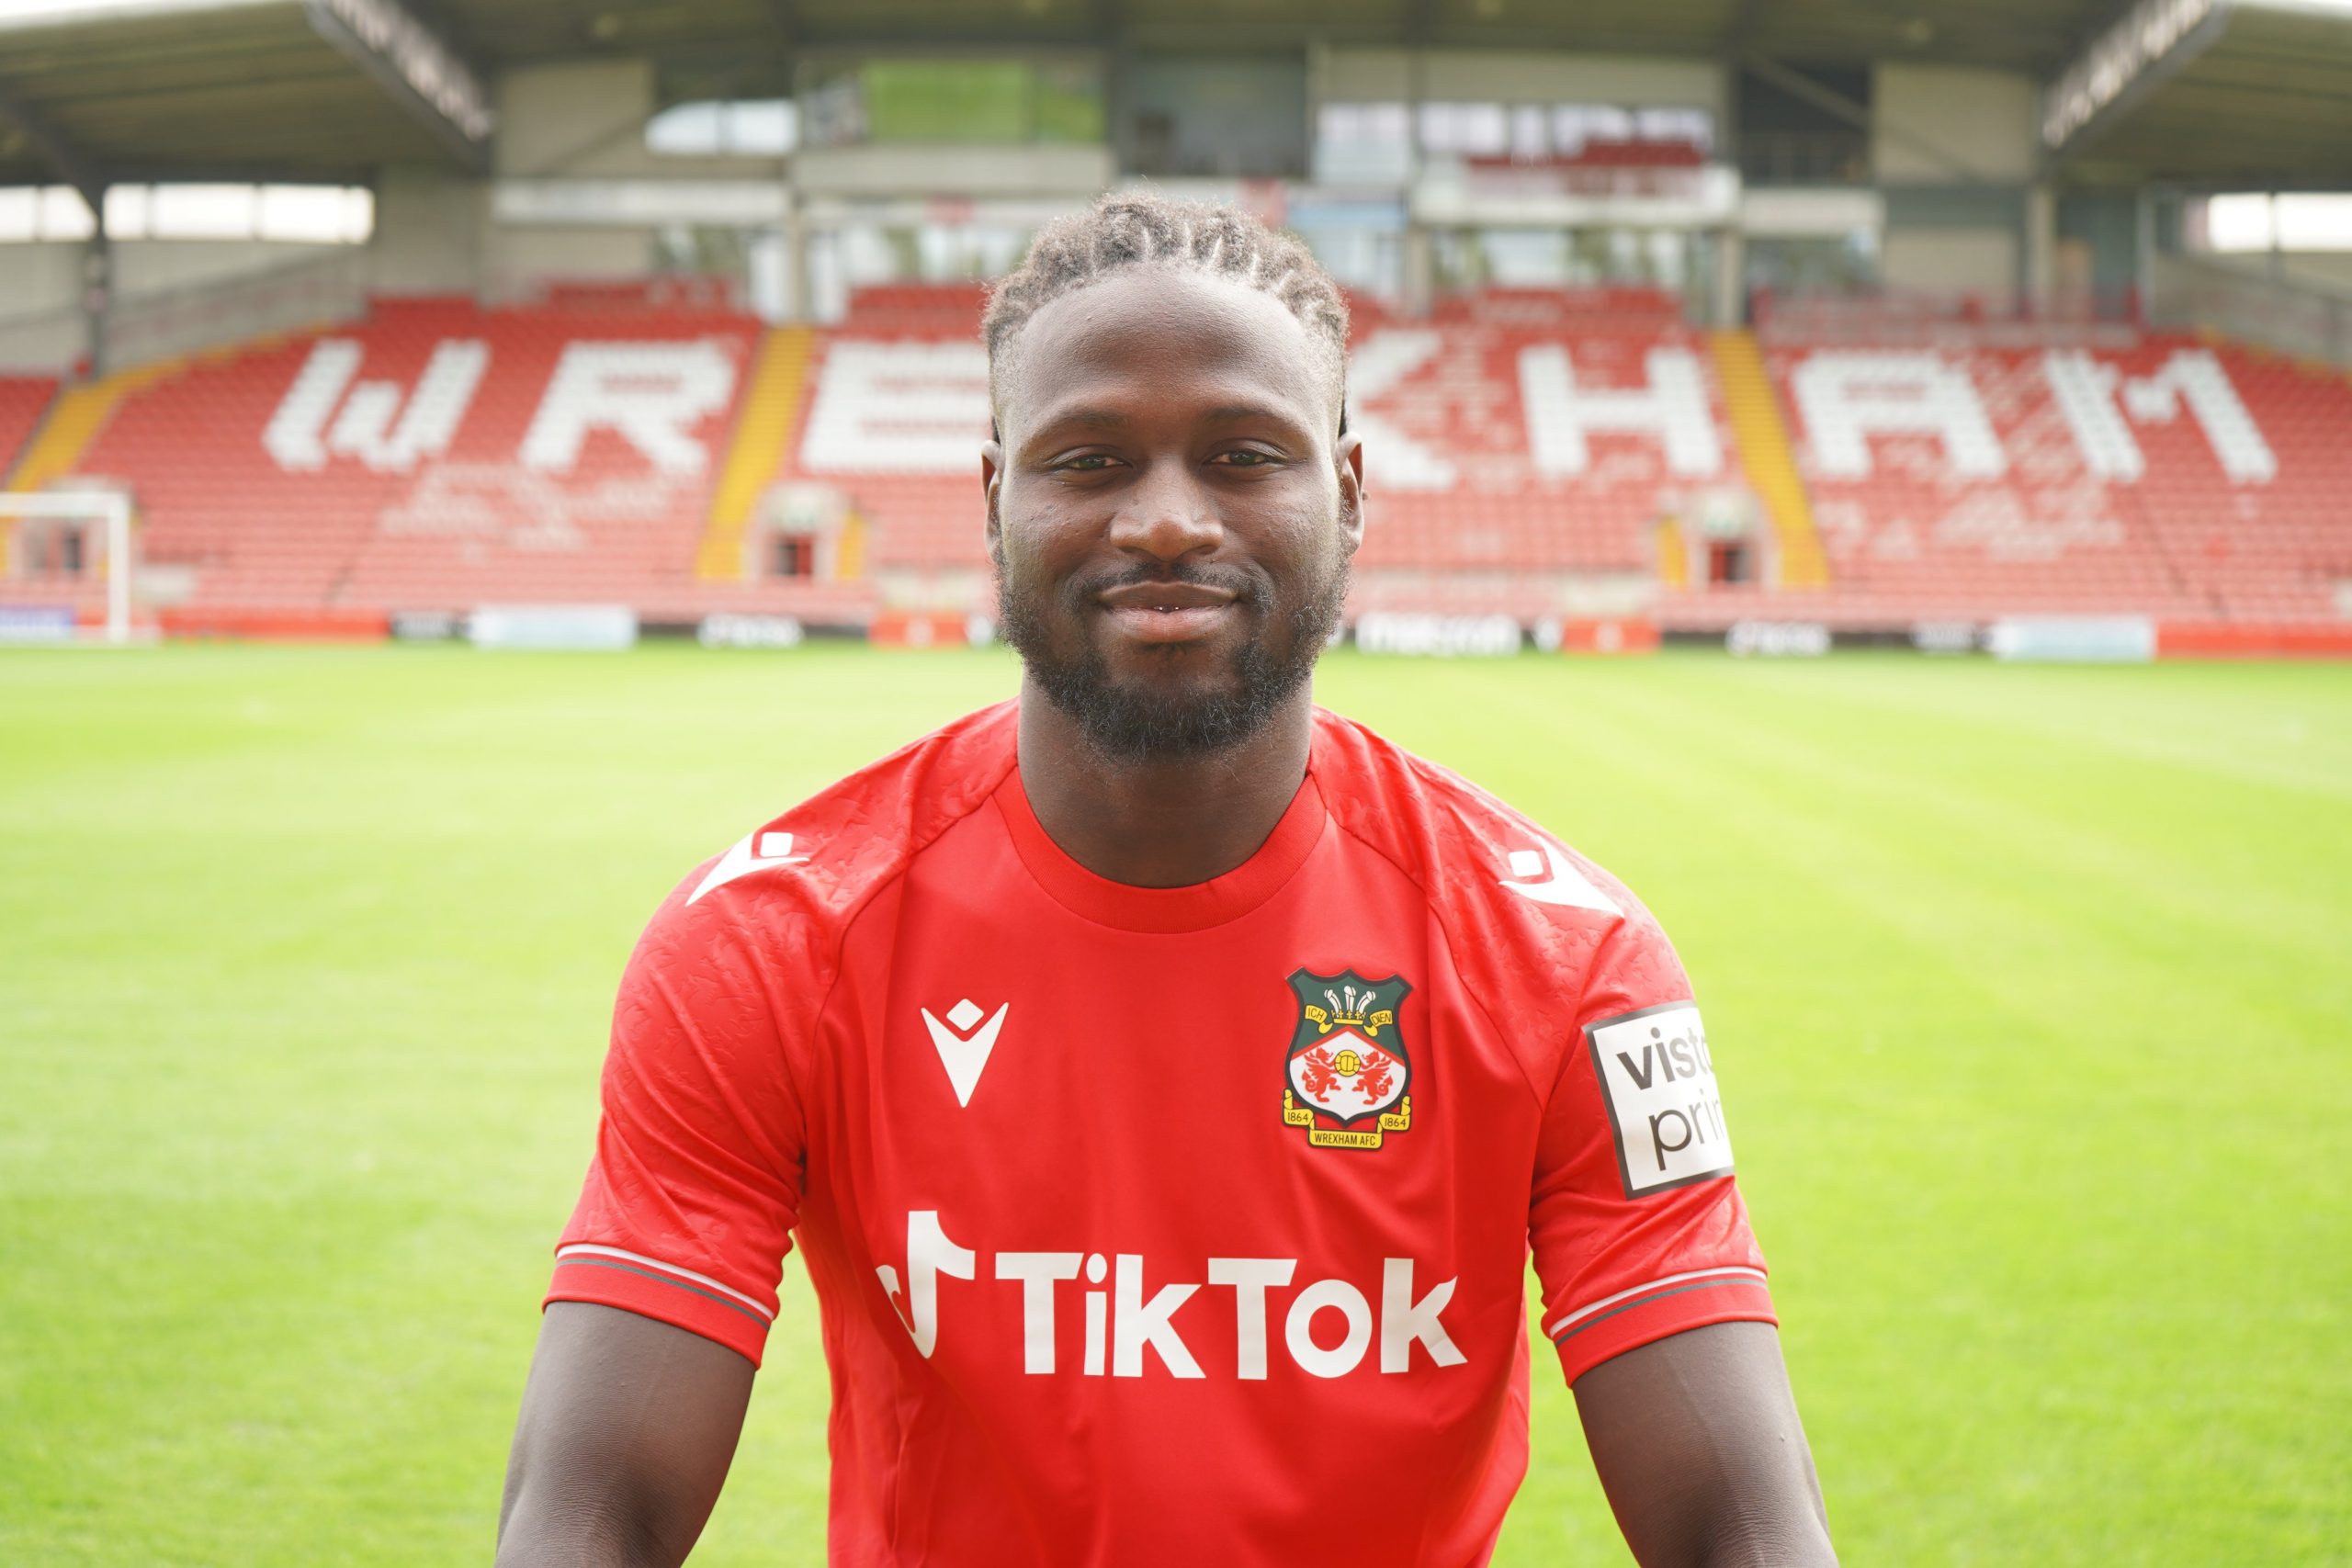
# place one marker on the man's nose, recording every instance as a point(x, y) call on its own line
point(1167, 515)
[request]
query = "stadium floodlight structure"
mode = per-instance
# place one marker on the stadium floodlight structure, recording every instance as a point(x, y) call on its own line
point(107, 506)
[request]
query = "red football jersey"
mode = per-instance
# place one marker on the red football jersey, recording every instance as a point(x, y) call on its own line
point(1173, 1225)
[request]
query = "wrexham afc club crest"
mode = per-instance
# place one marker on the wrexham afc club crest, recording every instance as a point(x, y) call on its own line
point(1348, 1073)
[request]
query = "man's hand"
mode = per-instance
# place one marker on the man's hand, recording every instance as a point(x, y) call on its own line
point(627, 1431)
point(1698, 1444)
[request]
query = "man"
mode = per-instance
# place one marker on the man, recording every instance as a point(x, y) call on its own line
point(1163, 1079)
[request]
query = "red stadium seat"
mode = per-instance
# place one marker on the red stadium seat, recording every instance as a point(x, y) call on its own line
point(23, 401)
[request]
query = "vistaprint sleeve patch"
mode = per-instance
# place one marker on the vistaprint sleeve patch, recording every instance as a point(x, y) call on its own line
point(1658, 1083)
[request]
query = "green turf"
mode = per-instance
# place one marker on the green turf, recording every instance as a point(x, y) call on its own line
point(2029, 988)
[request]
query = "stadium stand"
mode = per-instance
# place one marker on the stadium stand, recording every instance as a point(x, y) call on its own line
point(1533, 434)
point(23, 401)
point(1530, 447)
point(1533, 454)
point(896, 409)
point(579, 475)
point(2122, 472)
point(1500, 464)
point(439, 455)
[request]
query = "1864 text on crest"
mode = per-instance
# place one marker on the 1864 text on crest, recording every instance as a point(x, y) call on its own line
point(1348, 1063)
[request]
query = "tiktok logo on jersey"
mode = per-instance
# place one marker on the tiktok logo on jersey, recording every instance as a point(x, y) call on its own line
point(1659, 1084)
point(1346, 1062)
point(1122, 1322)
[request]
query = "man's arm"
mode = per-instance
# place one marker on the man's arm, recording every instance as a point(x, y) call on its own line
point(627, 1431)
point(1699, 1447)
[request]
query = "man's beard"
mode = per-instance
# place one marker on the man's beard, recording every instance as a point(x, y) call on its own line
point(1134, 722)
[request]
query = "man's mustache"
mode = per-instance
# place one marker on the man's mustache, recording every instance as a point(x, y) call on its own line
point(1246, 587)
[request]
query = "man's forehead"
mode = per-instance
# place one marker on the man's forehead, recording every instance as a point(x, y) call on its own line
point(1154, 332)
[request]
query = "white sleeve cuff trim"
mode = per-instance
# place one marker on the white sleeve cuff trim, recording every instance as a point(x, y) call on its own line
point(582, 1248)
point(1570, 1319)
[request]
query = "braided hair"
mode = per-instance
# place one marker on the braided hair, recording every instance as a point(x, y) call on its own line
point(1137, 229)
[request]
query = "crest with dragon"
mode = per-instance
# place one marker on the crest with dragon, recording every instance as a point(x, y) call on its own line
point(1347, 1075)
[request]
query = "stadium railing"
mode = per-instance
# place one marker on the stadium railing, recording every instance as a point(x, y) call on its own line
point(2292, 318)
point(312, 292)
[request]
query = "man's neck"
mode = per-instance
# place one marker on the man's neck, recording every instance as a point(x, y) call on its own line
point(1160, 823)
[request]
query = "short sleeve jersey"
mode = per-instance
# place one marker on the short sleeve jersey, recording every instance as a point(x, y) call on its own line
point(1172, 1225)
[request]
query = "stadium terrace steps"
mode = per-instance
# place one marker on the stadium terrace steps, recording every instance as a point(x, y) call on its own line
point(770, 414)
point(1766, 458)
point(1673, 557)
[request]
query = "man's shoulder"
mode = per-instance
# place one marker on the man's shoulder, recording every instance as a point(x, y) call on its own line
point(1459, 843)
point(1541, 938)
point(805, 874)
point(1526, 917)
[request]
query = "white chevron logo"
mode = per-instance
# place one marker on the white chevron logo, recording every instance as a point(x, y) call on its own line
point(964, 1050)
point(758, 851)
point(1563, 885)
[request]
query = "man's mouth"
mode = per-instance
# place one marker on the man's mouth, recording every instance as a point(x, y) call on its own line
point(1166, 596)
point(1168, 611)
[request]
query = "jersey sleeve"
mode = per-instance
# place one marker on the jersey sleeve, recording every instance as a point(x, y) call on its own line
point(1637, 1228)
point(690, 1201)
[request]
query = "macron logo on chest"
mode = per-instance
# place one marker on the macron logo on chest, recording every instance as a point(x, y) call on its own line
point(964, 1049)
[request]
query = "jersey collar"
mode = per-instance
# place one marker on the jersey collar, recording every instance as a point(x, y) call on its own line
point(1165, 909)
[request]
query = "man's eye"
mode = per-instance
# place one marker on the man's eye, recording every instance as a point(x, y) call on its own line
point(1243, 458)
point(1086, 463)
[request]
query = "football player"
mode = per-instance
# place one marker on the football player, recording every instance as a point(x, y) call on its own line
point(1164, 1081)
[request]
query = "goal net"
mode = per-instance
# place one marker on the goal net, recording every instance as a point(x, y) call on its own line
point(65, 550)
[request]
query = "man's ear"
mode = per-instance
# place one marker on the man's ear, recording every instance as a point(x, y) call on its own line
point(1347, 457)
point(991, 481)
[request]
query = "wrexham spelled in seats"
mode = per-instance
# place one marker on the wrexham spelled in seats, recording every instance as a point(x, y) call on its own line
point(1531, 454)
point(437, 456)
point(2117, 472)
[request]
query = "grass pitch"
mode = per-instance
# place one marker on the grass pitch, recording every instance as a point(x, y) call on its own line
point(2030, 988)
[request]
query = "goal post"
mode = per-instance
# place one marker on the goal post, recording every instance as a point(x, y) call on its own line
point(108, 508)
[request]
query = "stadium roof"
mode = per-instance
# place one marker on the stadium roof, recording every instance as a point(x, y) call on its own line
point(191, 89)
point(242, 89)
point(2255, 95)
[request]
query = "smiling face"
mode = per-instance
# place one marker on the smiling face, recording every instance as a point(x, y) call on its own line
point(1171, 508)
